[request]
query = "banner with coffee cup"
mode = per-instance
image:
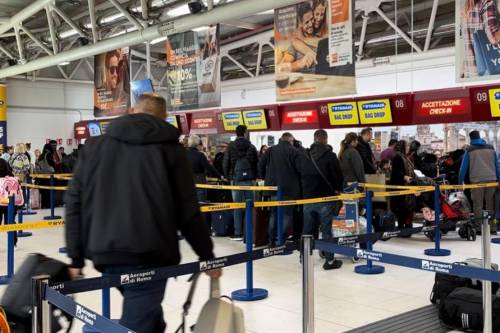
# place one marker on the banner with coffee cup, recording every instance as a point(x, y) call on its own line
point(314, 50)
point(112, 83)
point(193, 66)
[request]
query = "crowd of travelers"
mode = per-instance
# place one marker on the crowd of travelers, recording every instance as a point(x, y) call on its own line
point(318, 171)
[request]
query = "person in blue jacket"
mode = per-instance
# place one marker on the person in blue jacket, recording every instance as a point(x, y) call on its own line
point(481, 164)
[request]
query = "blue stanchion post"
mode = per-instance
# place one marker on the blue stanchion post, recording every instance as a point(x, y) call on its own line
point(52, 201)
point(249, 293)
point(280, 214)
point(369, 268)
point(437, 251)
point(10, 244)
point(20, 218)
point(27, 196)
point(106, 303)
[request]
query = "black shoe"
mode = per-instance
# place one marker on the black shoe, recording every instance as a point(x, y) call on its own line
point(334, 264)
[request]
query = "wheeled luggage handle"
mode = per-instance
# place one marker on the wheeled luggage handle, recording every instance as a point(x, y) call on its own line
point(214, 288)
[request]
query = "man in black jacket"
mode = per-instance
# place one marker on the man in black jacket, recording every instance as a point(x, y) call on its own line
point(321, 176)
point(240, 167)
point(132, 190)
point(365, 150)
point(280, 167)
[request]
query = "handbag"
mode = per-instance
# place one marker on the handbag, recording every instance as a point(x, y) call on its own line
point(316, 166)
point(217, 315)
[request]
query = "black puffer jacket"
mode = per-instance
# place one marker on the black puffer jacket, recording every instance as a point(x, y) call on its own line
point(239, 148)
point(132, 190)
point(313, 184)
point(366, 153)
point(280, 167)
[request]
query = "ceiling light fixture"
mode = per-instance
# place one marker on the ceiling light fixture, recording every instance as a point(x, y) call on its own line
point(179, 11)
point(203, 28)
point(64, 63)
point(158, 40)
point(111, 18)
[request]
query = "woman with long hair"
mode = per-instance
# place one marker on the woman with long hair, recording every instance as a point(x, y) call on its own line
point(19, 162)
point(350, 160)
point(402, 206)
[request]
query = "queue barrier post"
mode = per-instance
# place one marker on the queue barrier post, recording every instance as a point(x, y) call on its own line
point(20, 218)
point(369, 268)
point(27, 195)
point(249, 293)
point(52, 201)
point(106, 303)
point(10, 244)
point(307, 285)
point(40, 319)
point(486, 251)
point(280, 214)
point(437, 251)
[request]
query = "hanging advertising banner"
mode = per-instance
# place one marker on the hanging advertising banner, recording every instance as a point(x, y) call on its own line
point(3, 114)
point(314, 55)
point(112, 83)
point(193, 66)
point(140, 87)
point(375, 111)
point(477, 48)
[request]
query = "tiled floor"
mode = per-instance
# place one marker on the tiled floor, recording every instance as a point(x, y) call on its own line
point(343, 299)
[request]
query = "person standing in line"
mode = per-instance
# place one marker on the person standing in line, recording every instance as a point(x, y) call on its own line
point(19, 162)
point(200, 165)
point(280, 167)
point(29, 153)
point(403, 206)
point(321, 176)
point(351, 162)
point(240, 167)
point(365, 150)
point(141, 165)
point(9, 150)
point(480, 162)
point(389, 152)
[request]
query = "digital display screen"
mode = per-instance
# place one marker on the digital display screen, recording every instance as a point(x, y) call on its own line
point(231, 120)
point(172, 120)
point(139, 88)
point(300, 117)
point(343, 113)
point(255, 120)
point(94, 128)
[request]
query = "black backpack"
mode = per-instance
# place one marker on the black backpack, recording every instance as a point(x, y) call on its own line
point(384, 221)
point(242, 169)
point(444, 284)
point(462, 309)
point(17, 301)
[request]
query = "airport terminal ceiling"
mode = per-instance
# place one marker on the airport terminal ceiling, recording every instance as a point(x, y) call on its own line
point(418, 31)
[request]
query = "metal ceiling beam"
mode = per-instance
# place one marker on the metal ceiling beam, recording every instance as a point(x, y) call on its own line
point(19, 41)
point(37, 41)
point(126, 14)
point(144, 9)
point(233, 10)
point(52, 29)
point(6, 52)
point(432, 20)
point(93, 20)
point(24, 14)
point(398, 30)
point(242, 24)
point(68, 20)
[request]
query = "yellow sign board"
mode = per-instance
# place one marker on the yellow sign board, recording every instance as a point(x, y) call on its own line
point(255, 119)
point(231, 120)
point(343, 113)
point(495, 102)
point(172, 120)
point(3, 102)
point(375, 111)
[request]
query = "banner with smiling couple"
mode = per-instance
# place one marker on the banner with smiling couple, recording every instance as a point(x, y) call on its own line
point(314, 50)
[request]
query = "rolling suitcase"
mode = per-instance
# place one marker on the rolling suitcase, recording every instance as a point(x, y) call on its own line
point(222, 223)
point(261, 222)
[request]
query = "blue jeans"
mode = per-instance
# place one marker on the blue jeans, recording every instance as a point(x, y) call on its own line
point(319, 214)
point(240, 196)
point(287, 220)
point(141, 311)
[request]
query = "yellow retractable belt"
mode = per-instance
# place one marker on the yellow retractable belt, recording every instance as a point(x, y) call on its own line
point(222, 207)
point(237, 188)
point(32, 225)
point(55, 175)
point(468, 186)
point(43, 187)
point(398, 187)
point(309, 201)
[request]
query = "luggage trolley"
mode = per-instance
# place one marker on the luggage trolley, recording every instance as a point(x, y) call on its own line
point(349, 222)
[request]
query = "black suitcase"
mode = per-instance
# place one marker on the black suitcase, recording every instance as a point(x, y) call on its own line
point(384, 221)
point(17, 300)
point(462, 309)
point(222, 223)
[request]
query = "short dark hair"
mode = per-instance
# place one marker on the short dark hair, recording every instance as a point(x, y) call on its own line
point(392, 142)
point(241, 130)
point(320, 134)
point(286, 136)
point(401, 146)
point(366, 130)
point(303, 8)
point(474, 135)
